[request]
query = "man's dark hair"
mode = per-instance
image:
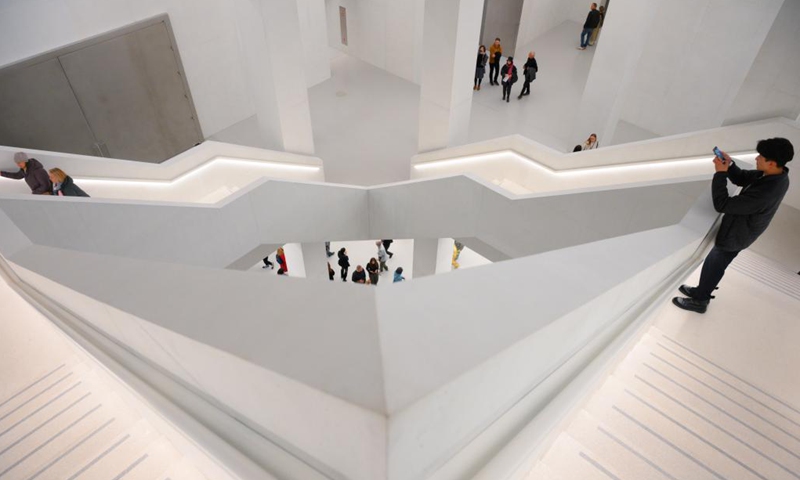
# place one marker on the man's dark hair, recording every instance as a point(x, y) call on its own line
point(498, 38)
point(779, 150)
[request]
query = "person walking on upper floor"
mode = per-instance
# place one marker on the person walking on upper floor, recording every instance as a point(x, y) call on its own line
point(596, 31)
point(480, 67)
point(495, 55)
point(63, 185)
point(747, 215)
point(267, 263)
point(508, 75)
point(382, 258)
point(592, 21)
point(280, 257)
point(359, 276)
point(344, 263)
point(590, 143)
point(372, 271)
point(33, 172)
point(529, 73)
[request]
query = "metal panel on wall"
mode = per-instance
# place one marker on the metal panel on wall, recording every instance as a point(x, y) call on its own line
point(133, 95)
point(38, 110)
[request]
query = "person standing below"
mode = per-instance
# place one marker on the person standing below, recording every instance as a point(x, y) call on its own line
point(280, 257)
point(529, 72)
point(344, 263)
point(63, 185)
point(747, 215)
point(590, 143)
point(596, 31)
point(480, 67)
point(495, 55)
point(509, 78)
point(33, 172)
point(592, 21)
point(382, 256)
point(360, 276)
point(398, 275)
point(372, 271)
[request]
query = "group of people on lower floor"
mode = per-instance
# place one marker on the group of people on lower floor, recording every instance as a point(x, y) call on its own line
point(42, 182)
point(370, 275)
point(507, 73)
point(375, 267)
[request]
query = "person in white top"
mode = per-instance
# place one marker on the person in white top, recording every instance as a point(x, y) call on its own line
point(590, 143)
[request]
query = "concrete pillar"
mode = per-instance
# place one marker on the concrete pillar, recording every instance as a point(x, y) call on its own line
point(615, 62)
point(315, 260)
point(314, 34)
point(450, 39)
point(272, 50)
point(425, 253)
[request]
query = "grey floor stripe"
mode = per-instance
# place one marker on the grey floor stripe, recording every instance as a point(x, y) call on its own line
point(72, 448)
point(39, 409)
point(130, 467)
point(634, 452)
point(41, 446)
point(36, 396)
point(769, 281)
point(785, 404)
point(696, 435)
point(730, 385)
point(743, 407)
point(101, 456)
point(36, 429)
point(719, 409)
point(597, 465)
point(670, 444)
point(770, 276)
point(32, 384)
point(719, 427)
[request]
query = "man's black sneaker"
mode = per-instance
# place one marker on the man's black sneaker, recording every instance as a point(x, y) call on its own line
point(691, 304)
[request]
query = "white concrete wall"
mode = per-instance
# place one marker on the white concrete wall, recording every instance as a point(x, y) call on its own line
point(314, 34)
point(695, 58)
point(771, 88)
point(204, 30)
point(502, 19)
point(539, 16)
point(384, 33)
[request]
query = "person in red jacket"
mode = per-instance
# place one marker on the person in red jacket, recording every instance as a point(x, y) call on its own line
point(33, 172)
point(280, 257)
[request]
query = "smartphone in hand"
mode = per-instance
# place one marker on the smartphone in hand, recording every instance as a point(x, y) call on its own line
point(719, 154)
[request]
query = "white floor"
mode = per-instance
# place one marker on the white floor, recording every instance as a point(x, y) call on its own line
point(365, 119)
point(63, 416)
point(700, 396)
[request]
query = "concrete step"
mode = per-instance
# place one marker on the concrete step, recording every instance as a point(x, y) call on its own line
point(541, 472)
point(569, 460)
point(183, 470)
point(118, 454)
point(152, 462)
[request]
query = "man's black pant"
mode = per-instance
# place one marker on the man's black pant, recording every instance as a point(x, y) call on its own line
point(713, 269)
point(344, 273)
point(526, 88)
point(506, 89)
point(494, 71)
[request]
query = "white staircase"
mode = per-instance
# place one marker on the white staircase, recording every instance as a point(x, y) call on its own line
point(68, 424)
point(669, 413)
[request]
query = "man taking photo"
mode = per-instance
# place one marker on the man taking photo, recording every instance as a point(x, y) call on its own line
point(747, 214)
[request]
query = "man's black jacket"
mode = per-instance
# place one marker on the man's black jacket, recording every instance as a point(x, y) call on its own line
point(748, 214)
point(592, 19)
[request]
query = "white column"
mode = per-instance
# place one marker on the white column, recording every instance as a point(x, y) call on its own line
point(425, 253)
point(272, 50)
point(450, 42)
point(315, 260)
point(314, 34)
point(615, 61)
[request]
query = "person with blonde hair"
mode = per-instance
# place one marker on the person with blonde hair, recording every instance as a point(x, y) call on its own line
point(63, 185)
point(280, 257)
point(590, 143)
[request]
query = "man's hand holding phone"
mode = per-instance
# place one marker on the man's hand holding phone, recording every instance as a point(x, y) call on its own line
point(721, 160)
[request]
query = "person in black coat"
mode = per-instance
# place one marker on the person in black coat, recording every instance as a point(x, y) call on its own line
point(480, 67)
point(344, 263)
point(508, 75)
point(63, 185)
point(592, 22)
point(33, 172)
point(747, 214)
point(359, 276)
point(529, 73)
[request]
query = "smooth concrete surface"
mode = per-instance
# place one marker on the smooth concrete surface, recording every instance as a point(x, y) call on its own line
point(426, 251)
